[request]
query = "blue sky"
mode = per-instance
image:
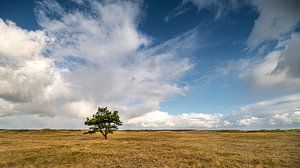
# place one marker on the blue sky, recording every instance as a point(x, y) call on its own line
point(163, 64)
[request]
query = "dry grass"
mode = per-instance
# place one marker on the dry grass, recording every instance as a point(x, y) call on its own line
point(48, 148)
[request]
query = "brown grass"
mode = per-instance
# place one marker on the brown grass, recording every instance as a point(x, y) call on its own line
point(47, 148)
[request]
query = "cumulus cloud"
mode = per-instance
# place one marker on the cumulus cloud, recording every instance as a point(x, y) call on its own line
point(31, 84)
point(25, 73)
point(82, 59)
point(12, 37)
point(164, 120)
point(281, 111)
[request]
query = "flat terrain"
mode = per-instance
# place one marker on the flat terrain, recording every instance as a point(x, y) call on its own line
point(49, 148)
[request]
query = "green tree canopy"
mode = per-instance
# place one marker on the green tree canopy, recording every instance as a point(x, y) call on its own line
point(104, 121)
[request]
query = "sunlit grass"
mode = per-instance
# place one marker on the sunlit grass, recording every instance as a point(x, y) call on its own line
point(48, 148)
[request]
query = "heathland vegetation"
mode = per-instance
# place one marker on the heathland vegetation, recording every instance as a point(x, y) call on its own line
point(65, 148)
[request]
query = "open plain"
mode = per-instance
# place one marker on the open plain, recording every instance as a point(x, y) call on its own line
point(63, 148)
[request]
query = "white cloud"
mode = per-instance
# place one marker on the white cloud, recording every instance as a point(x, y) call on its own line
point(82, 59)
point(276, 19)
point(25, 73)
point(56, 77)
point(219, 7)
point(248, 122)
point(269, 25)
point(263, 75)
point(278, 112)
point(164, 120)
point(289, 60)
point(276, 72)
point(280, 68)
point(106, 49)
point(20, 44)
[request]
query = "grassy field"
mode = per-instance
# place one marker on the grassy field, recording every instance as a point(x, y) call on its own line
point(49, 148)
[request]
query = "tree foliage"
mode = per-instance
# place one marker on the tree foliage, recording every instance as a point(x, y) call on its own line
point(104, 121)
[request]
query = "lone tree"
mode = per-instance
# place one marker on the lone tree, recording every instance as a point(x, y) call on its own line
point(104, 121)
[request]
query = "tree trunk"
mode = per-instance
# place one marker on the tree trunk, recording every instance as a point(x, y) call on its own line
point(105, 135)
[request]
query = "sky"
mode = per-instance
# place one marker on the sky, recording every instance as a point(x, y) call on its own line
point(172, 64)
